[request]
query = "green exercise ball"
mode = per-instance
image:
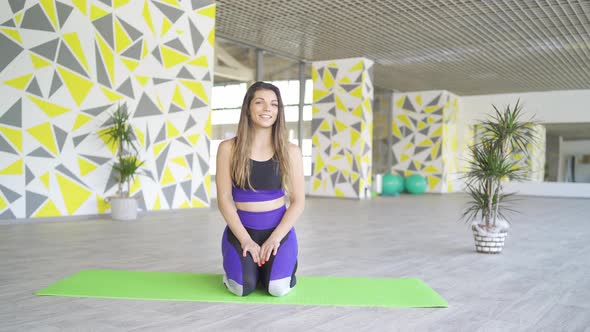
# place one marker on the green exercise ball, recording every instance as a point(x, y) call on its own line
point(392, 184)
point(416, 184)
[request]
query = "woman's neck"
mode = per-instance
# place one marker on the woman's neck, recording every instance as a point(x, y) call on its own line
point(262, 141)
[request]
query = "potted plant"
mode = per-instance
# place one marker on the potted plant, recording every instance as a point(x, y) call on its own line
point(491, 164)
point(127, 164)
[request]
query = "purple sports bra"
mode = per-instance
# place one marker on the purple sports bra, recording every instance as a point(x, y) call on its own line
point(247, 195)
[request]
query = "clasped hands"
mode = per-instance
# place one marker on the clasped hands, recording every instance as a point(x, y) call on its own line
point(261, 254)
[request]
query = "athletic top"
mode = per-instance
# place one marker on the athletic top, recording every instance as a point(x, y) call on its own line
point(265, 178)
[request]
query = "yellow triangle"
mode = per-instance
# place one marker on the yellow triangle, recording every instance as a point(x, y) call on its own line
point(140, 136)
point(404, 157)
point(315, 140)
point(395, 129)
point(130, 64)
point(184, 205)
point(122, 40)
point(15, 136)
point(359, 66)
point(74, 43)
point(417, 164)
point(354, 177)
point(52, 110)
point(435, 150)
point(314, 110)
point(39, 62)
point(358, 92)
point(108, 58)
point(97, 12)
point(198, 204)
point(172, 2)
point(180, 161)
point(425, 143)
point(159, 102)
point(197, 88)
point(167, 178)
point(81, 120)
point(45, 180)
point(112, 146)
point(78, 86)
point(437, 132)
point(171, 57)
point(81, 5)
point(404, 118)
point(200, 61)
point(166, 25)
point(171, 131)
point(73, 194)
point(20, 82)
point(319, 94)
point(44, 134)
point(345, 172)
point(340, 126)
point(49, 6)
point(111, 95)
point(158, 148)
point(421, 125)
point(400, 102)
point(16, 168)
point(144, 51)
point(85, 166)
point(193, 138)
point(328, 79)
point(367, 105)
point(430, 169)
point(211, 37)
point(147, 17)
point(332, 169)
point(344, 80)
point(430, 109)
point(431, 120)
point(358, 111)
point(157, 204)
point(325, 126)
point(13, 33)
point(119, 3)
point(208, 11)
point(432, 182)
point(408, 173)
point(338, 193)
point(316, 184)
point(314, 74)
point(142, 80)
point(135, 185)
point(208, 127)
point(340, 104)
point(419, 99)
point(18, 17)
point(101, 205)
point(408, 146)
point(208, 183)
point(3, 203)
point(48, 210)
point(178, 99)
point(319, 164)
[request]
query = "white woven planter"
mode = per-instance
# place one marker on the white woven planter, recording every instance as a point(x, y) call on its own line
point(123, 208)
point(489, 242)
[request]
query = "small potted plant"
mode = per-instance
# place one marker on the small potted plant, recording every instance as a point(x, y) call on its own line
point(491, 164)
point(127, 164)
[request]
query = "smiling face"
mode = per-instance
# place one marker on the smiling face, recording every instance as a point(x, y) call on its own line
point(264, 108)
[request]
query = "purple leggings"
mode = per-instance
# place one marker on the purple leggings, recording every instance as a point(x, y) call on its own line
point(241, 273)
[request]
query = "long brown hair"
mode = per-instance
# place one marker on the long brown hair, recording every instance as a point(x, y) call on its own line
point(240, 164)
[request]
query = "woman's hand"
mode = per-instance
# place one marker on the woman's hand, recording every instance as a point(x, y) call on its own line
point(253, 248)
point(271, 245)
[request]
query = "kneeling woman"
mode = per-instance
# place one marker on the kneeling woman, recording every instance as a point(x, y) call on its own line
point(254, 172)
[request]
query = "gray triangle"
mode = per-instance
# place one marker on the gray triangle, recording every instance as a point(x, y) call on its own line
point(10, 195)
point(321, 72)
point(183, 139)
point(134, 51)
point(359, 79)
point(394, 160)
point(394, 140)
point(156, 54)
point(201, 3)
point(171, 13)
point(408, 105)
point(56, 83)
point(29, 176)
point(340, 152)
point(97, 160)
point(161, 80)
point(186, 187)
point(414, 122)
point(315, 124)
point(161, 161)
point(140, 200)
point(10, 23)
point(435, 100)
point(104, 25)
point(203, 164)
point(332, 111)
point(184, 73)
point(349, 87)
point(177, 45)
point(107, 2)
point(326, 133)
point(428, 158)
point(201, 193)
point(197, 103)
point(109, 122)
point(60, 136)
point(112, 181)
point(63, 12)
point(333, 178)
point(47, 50)
point(366, 149)
point(68, 60)
point(35, 19)
point(10, 50)
point(189, 159)
point(101, 71)
point(207, 77)
point(333, 71)
point(169, 194)
point(78, 139)
point(207, 143)
point(196, 37)
point(161, 135)
point(424, 131)
point(16, 5)
point(412, 167)
point(33, 201)
point(419, 149)
point(14, 115)
point(327, 99)
point(146, 107)
point(190, 123)
point(174, 109)
point(334, 130)
point(355, 187)
point(7, 215)
point(319, 175)
point(69, 173)
point(126, 88)
point(40, 152)
point(33, 88)
point(438, 111)
point(148, 141)
point(133, 33)
point(96, 111)
point(357, 126)
point(327, 151)
point(342, 178)
point(354, 166)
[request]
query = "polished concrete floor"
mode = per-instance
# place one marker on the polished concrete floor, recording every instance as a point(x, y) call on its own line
point(541, 282)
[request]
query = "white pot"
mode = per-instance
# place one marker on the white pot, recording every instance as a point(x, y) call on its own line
point(123, 208)
point(489, 242)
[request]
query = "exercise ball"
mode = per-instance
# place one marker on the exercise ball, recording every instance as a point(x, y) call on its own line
point(416, 184)
point(392, 184)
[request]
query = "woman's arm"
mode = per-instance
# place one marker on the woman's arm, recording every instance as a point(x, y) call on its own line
point(225, 200)
point(296, 206)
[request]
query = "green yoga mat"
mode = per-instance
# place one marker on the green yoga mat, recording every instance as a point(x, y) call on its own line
point(172, 286)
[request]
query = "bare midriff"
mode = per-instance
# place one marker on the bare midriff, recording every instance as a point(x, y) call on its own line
point(261, 206)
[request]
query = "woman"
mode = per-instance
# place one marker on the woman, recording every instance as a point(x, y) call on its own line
point(254, 172)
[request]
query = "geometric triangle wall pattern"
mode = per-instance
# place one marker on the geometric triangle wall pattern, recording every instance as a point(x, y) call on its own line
point(66, 65)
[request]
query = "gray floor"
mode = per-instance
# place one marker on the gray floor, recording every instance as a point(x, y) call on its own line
point(541, 282)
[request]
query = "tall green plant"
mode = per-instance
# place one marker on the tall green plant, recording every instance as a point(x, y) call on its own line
point(492, 162)
point(120, 134)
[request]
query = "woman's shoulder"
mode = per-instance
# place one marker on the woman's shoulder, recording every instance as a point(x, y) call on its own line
point(294, 151)
point(227, 144)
